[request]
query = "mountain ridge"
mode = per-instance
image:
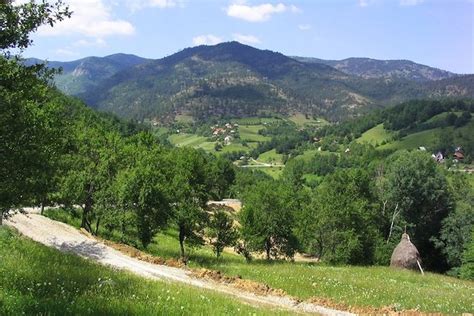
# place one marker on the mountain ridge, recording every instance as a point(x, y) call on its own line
point(375, 68)
point(233, 79)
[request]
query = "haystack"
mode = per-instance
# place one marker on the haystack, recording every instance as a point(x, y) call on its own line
point(405, 255)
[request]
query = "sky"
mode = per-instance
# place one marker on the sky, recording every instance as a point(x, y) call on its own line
point(438, 33)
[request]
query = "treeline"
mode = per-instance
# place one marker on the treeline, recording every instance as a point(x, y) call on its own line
point(407, 116)
point(285, 138)
point(358, 208)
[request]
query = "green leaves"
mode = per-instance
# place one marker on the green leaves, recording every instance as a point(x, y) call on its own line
point(267, 219)
point(19, 21)
point(338, 225)
point(221, 231)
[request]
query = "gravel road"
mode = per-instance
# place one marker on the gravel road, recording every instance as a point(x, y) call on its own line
point(67, 238)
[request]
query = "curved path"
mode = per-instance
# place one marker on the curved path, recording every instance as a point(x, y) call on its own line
point(67, 238)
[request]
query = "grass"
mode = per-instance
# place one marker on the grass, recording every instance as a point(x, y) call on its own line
point(274, 172)
point(250, 133)
point(301, 120)
point(427, 138)
point(185, 139)
point(354, 286)
point(424, 138)
point(37, 280)
point(375, 135)
point(270, 156)
point(184, 118)
point(254, 120)
point(160, 131)
point(201, 142)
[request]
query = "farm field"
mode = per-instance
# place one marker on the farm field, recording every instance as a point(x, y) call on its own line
point(190, 140)
point(250, 133)
point(375, 135)
point(301, 120)
point(373, 287)
point(428, 138)
point(274, 172)
point(270, 156)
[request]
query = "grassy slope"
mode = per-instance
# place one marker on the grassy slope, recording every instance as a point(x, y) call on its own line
point(270, 156)
point(250, 133)
point(196, 141)
point(274, 172)
point(361, 286)
point(375, 135)
point(355, 286)
point(35, 279)
point(425, 138)
point(301, 120)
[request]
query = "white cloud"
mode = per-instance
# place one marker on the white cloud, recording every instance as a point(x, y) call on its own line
point(258, 13)
point(98, 42)
point(366, 3)
point(91, 18)
point(304, 27)
point(295, 9)
point(135, 5)
point(207, 39)
point(410, 2)
point(64, 52)
point(246, 39)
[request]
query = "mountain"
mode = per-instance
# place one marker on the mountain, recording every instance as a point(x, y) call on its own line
point(235, 80)
point(82, 75)
point(383, 69)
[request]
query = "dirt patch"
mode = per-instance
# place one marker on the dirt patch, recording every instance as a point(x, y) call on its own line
point(360, 310)
point(238, 282)
point(68, 239)
point(135, 253)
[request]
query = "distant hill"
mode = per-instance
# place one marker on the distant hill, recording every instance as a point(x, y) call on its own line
point(387, 69)
point(236, 80)
point(80, 76)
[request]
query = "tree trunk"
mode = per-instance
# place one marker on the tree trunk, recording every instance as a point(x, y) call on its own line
point(267, 248)
point(42, 207)
point(181, 240)
point(394, 216)
point(1, 216)
point(97, 226)
point(85, 214)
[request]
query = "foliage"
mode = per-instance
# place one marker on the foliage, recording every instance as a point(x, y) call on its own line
point(30, 120)
point(267, 220)
point(19, 21)
point(414, 187)
point(141, 187)
point(467, 267)
point(456, 229)
point(189, 188)
point(221, 231)
point(339, 225)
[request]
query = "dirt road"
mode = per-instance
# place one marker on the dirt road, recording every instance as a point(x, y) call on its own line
point(66, 238)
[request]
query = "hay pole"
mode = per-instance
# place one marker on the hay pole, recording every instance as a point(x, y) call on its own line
point(419, 266)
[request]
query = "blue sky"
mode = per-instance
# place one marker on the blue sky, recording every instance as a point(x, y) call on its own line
point(438, 33)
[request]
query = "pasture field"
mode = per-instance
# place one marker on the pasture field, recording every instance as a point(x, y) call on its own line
point(375, 135)
point(371, 287)
point(270, 156)
point(37, 280)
